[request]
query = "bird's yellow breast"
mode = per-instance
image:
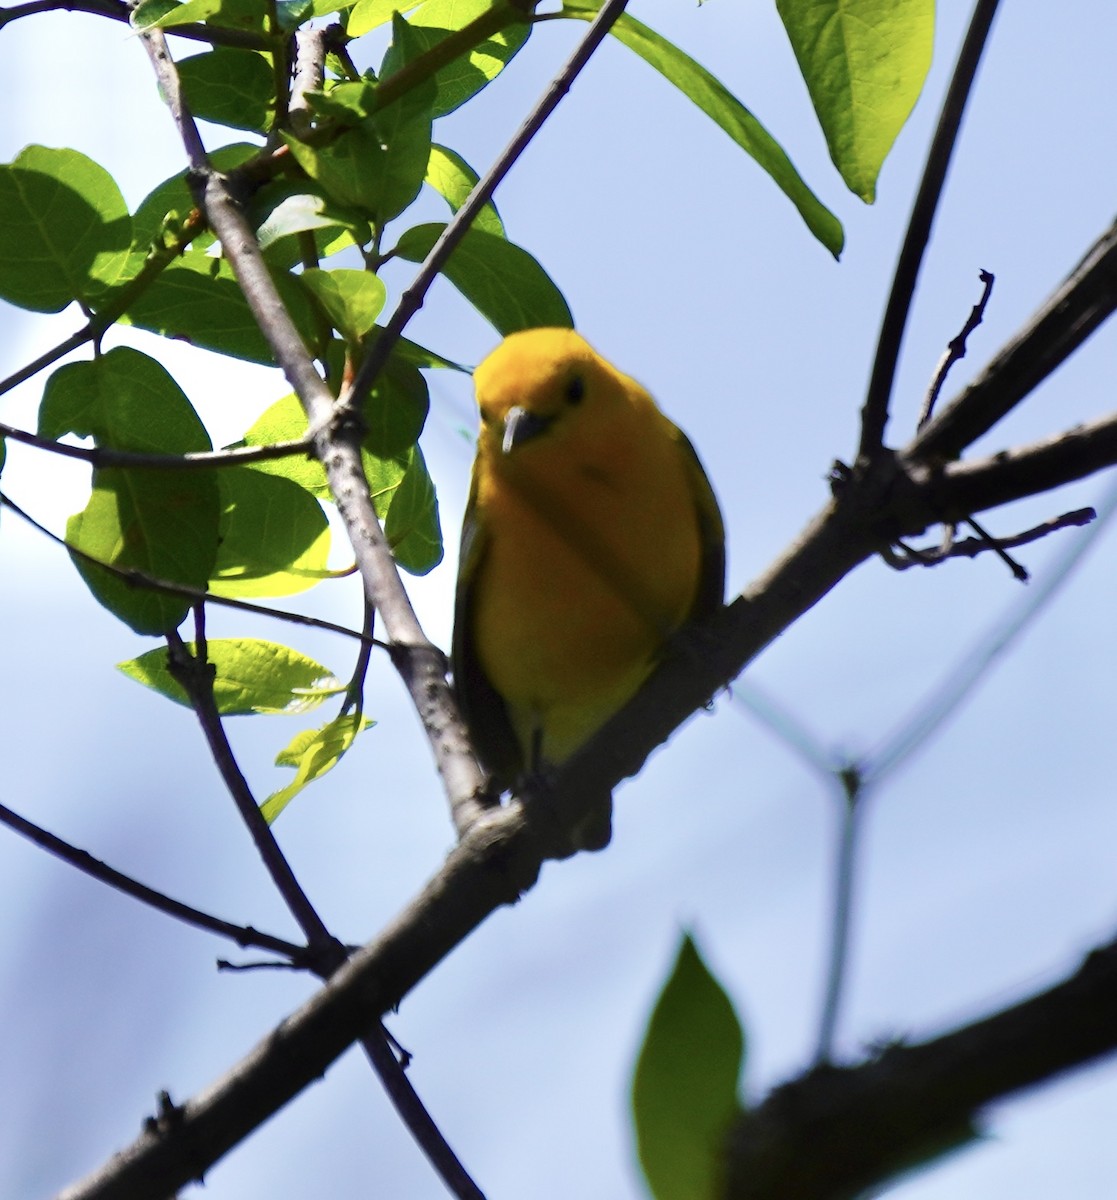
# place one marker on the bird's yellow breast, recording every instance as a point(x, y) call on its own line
point(592, 561)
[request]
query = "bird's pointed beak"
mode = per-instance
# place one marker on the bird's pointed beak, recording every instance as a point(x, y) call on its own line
point(521, 426)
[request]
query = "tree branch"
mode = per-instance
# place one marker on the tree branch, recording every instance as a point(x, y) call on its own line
point(837, 1131)
point(337, 445)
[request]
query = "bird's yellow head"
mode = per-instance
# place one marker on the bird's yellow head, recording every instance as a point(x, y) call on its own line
point(550, 387)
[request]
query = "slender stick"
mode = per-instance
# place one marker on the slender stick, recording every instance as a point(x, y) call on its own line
point(196, 677)
point(139, 578)
point(74, 856)
point(105, 456)
point(874, 413)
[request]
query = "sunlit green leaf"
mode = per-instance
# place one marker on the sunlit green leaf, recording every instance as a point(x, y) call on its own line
point(453, 178)
point(351, 299)
point(161, 523)
point(313, 753)
point(197, 298)
point(252, 676)
point(368, 14)
point(467, 74)
point(864, 62)
point(231, 14)
point(275, 538)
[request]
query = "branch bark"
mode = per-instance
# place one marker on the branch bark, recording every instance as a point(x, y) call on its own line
point(836, 1131)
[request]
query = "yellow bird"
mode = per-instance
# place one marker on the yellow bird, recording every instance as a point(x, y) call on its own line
point(590, 537)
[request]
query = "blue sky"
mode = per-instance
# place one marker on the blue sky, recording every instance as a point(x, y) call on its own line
point(986, 868)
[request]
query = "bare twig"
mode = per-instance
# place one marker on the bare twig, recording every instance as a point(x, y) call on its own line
point(1071, 313)
point(243, 935)
point(196, 678)
point(378, 1047)
point(137, 578)
point(955, 350)
point(310, 70)
point(984, 483)
point(874, 413)
point(972, 547)
point(105, 456)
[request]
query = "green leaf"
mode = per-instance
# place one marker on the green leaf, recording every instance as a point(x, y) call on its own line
point(123, 399)
point(66, 231)
point(502, 281)
point(864, 62)
point(172, 198)
point(351, 300)
point(252, 676)
point(313, 753)
point(198, 299)
point(728, 113)
point(453, 178)
point(368, 14)
point(412, 526)
point(162, 523)
point(468, 73)
point(396, 409)
point(229, 87)
point(684, 1088)
point(275, 538)
point(230, 14)
point(285, 208)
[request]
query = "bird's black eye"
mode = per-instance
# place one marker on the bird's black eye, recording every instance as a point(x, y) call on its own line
point(575, 390)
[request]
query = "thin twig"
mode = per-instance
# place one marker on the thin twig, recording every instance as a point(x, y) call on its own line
point(1019, 573)
point(874, 413)
point(105, 456)
point(243, 935)
point(138, 578)
point(195, 676)
point(972, 547)
point(412, 299)
point(955, 350)
point(1076, 308)
point(389, 1069)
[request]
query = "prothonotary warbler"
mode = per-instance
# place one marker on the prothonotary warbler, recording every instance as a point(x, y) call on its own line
point(590, 537)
